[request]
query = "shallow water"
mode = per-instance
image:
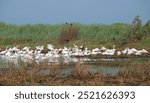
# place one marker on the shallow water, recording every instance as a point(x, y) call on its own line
point(65, 71)
point(6, 63)
point(106, 70)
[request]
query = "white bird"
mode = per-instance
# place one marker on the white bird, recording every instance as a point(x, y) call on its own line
point(144, 51)
point(75, 46)
point(109, 51)
point(125, 51)
point(27, 58)
point(140, 52)
point(4, 52)
point(118, 53)
point(50, 47)
point(95, 51)
point(26, 49)
point(133, 50)
point(40, 48)
point(15, 49)
point(87, 52)
point(103, 48)
point(9, 52)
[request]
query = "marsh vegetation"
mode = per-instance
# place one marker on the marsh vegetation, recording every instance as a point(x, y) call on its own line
point(91, 35)
point(135, 71)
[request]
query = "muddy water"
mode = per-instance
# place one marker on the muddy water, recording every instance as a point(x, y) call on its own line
point(67, 71)
point(106, 70)
point(6, 63)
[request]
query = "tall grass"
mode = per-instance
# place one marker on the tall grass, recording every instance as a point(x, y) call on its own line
point(104, 34)
point(92, 35)
point(38, 33)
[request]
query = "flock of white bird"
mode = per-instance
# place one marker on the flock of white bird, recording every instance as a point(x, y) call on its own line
point(29, 56)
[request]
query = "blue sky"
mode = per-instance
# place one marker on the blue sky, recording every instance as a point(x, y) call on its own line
point(79, 11)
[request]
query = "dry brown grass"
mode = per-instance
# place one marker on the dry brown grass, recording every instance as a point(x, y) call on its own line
point(136, 73)
point(68, 33)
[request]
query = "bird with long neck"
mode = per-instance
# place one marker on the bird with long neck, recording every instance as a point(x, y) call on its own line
point(109, 51)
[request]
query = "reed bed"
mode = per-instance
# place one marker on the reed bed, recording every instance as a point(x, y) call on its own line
point(90, 35)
